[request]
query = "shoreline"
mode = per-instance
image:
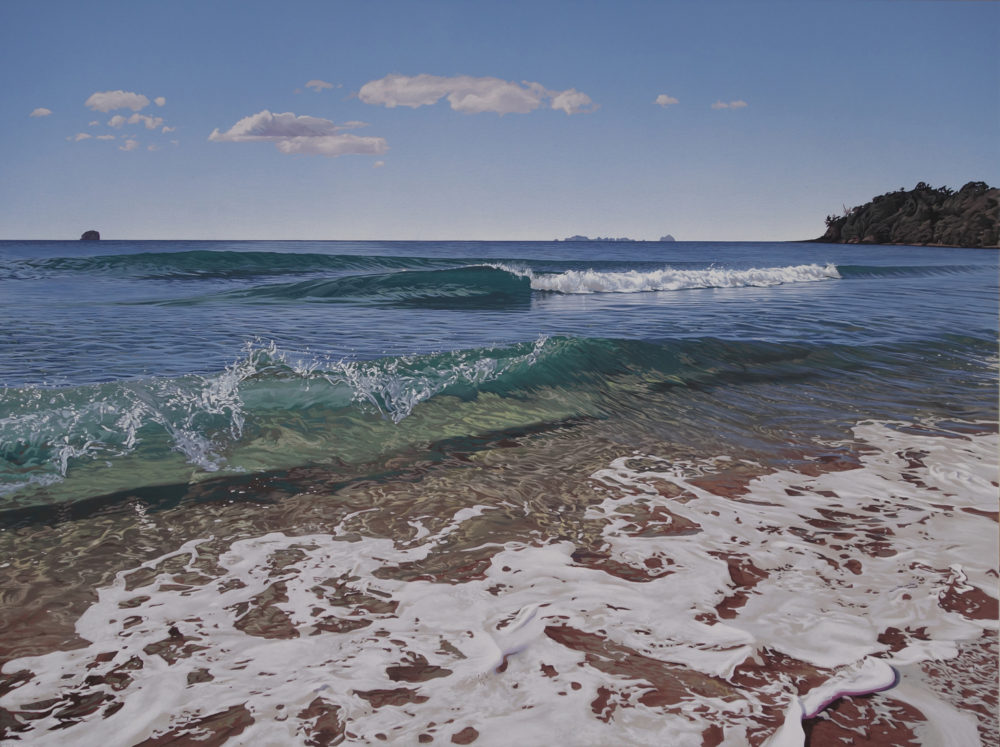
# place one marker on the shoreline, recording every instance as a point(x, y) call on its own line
point(643, 526)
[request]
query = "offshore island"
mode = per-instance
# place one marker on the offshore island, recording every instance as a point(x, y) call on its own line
point(578, 237)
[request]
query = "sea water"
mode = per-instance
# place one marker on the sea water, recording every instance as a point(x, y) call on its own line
point(639, 493)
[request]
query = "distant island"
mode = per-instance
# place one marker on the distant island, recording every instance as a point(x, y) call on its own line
point(598, 238)
point(90, 236)
point(668, 237)
point(922, 216)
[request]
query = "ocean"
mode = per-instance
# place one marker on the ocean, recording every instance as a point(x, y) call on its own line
point(502, 493)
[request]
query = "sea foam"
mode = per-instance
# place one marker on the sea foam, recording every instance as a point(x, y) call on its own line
point(544, 642)
point(669, 279)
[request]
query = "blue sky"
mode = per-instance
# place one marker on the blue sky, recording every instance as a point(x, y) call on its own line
point(485, 120)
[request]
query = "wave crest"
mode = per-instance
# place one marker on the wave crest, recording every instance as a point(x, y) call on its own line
point(669, 279)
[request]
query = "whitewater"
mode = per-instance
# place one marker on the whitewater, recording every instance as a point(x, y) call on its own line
point(669, 279)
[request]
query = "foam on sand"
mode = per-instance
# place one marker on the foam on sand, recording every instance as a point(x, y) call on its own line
point(706, 611)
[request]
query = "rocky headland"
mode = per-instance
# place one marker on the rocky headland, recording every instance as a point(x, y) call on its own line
point(90, 236)
point(922, 216)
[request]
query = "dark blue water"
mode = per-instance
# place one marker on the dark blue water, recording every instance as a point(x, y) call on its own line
point(150, 359)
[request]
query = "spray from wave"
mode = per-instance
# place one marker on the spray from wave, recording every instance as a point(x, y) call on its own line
point(46, 433)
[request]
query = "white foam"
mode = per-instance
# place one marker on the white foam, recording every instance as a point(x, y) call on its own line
point(490, 632)
point(669, 279)
point(394, 387)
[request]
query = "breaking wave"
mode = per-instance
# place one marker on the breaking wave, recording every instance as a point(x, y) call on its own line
point(497, 286)
point(275, 409)
point(669, 279)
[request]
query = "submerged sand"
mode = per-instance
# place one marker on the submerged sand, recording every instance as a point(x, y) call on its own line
point(529, 593)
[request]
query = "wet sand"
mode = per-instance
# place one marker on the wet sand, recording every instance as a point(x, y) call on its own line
point(537, 587)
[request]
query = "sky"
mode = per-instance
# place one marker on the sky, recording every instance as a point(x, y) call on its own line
point(710, 121)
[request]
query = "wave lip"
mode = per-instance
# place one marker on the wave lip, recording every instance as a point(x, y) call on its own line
point(668, 279)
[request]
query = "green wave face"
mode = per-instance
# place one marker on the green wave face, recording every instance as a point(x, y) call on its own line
point(479, 287)
point(271, 411)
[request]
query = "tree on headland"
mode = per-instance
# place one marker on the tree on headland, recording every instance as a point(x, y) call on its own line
point(923, 216)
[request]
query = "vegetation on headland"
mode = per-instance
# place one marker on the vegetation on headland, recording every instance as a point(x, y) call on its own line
point(922, 216)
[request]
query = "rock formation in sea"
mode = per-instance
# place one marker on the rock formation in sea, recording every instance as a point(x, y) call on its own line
point(922, 216)
point(90, 236)
point(668, 237)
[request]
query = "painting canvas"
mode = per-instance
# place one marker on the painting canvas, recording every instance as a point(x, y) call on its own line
point(549, 373)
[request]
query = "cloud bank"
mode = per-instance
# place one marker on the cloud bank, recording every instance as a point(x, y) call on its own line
point(471, 95)
point(293, 134)
point(106, 101)
point(738, 104)
point(664, 100)
point(40, 112)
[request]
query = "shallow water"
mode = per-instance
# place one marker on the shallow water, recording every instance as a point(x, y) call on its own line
point(305, 492)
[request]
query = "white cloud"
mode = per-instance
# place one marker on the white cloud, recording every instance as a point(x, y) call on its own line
point(470, 95)
point(160, 101)
point(106, 101)
point(333, 145)
point(79, 136)
point(378, 164)
point(93, 123)
point(572, 101)
point(267, 126)
point(168, 129)
point(129, 145)
point(40, 112)
point(664, 100)
point(151, 122)
point(293, 134)
point(152, 147)
point(739, 104)
point(353, 124)
point(318, 85)
point(105, 137)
